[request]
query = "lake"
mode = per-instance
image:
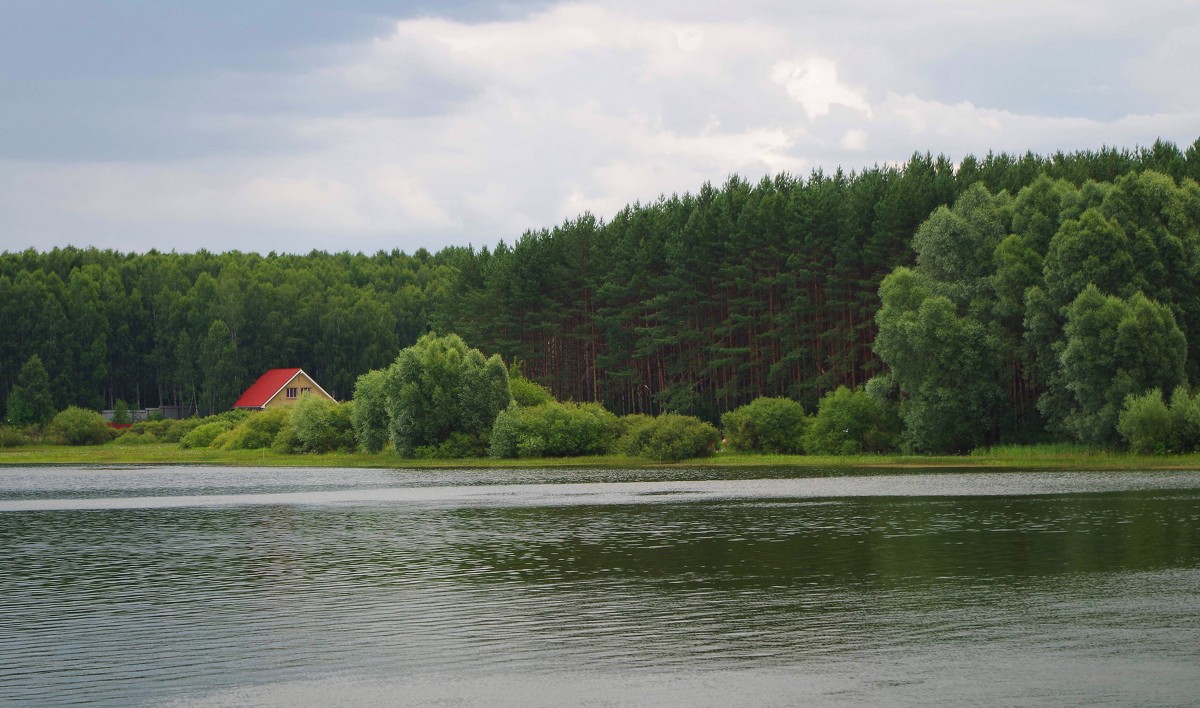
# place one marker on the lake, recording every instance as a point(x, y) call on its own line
point(211, 586)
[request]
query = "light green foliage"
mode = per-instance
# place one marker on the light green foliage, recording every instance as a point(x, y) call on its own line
point(168, 431)
point(120, 412)
point(256, 431)
point(13, 437)
point(849, 422)
point(670, 437)
point(77, 426)
point(527, 393)
point(439, 386)
point(954, 246)
point(1038, 211)
point(320, 425)
point(1150, 426)
point(1114, 348)
point(1091, 250)
point(204, 435)
point(767, 425)
point(1145, 423)
point(370, 417)
point(1185, 421)
point(1018, 267)
point(553, 430)
point(30, 402)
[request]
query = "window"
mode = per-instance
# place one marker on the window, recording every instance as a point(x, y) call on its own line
point(291, 393)
point(306, 390)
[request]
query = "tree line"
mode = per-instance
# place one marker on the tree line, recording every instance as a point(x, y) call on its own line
point(695, 304)
point(196, 329)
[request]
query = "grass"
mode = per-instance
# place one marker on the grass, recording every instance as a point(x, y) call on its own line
point(1060, 457)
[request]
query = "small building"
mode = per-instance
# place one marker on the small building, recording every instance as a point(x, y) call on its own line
point(279, 387)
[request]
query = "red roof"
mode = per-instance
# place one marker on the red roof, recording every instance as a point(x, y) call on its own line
point(265, 388)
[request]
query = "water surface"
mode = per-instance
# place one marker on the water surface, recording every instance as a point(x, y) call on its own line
point(218, 586)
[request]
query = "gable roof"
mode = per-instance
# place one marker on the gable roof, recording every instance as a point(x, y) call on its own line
point(267, 386)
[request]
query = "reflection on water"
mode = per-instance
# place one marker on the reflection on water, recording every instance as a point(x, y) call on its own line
point(619, 588)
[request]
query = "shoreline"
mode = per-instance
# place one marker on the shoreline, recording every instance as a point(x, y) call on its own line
point(1028, 457)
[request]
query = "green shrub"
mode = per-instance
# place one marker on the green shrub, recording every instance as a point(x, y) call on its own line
point(668, 438)
point(440, 386)
point(553, 430)
point(12, 436)
point(1185, 421)
point(121, 413)
point(204, 435)
point(370, 417)
point(320, 425)
point(766, 425)
point(1145, 423)
point(256, 431)
point(285, 440)
point(849, 422)
point(457, 446)
point(526, 393)
point(172, 431)
point(77, 426)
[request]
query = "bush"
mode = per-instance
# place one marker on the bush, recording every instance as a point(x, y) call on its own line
point(1145, 423)
point(849, 422)
point(257, 431)
point(12, 436)
point(439, 386)
point(457, 446)
point(77, 426)
point(767, 425)
point(669, 438)
point(1185, 421)
point(320, 425)
point(553, 430)
point(121, 413)
point(159, 430)
point(526, 393)
point(370, 418)
point(204, 435)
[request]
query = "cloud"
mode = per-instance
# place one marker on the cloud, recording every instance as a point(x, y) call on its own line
point(446, 132)
point(813, 83)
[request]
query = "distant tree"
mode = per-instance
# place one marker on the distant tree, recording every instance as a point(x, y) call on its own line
point(947, 367)
point(527, 393)
point(30, 402)
point(218, 356)
point(320, 425)
point(439, 386)
point(370, 418)
point(1114, 348)
point(120, 412)
point(670, 437)
point(77, 426)
point(1145, 423)
point(766, 425)
point(849, 422)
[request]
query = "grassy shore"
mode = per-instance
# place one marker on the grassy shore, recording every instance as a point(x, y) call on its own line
point(1055, 457)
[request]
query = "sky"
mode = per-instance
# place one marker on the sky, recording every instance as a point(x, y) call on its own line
point(363, 125)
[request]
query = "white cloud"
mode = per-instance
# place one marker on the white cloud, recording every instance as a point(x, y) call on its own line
point(813, 83)
point(446, 132)
point(855, 140)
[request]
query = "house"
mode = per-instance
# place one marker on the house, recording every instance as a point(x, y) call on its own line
point(279, 387)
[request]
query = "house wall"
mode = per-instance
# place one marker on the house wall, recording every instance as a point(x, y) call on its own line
point(300, 382)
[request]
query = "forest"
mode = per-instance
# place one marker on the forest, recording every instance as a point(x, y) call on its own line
point(1003, 298)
